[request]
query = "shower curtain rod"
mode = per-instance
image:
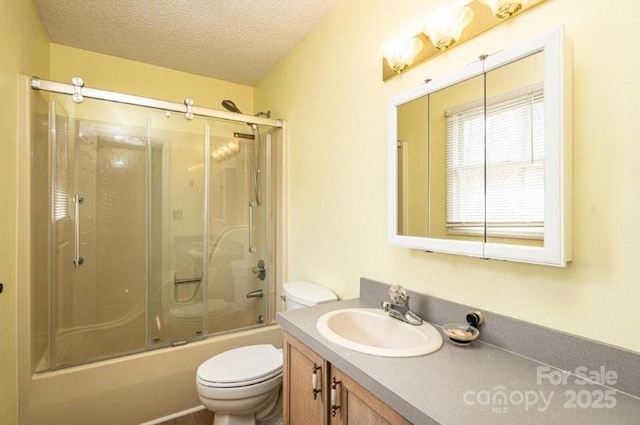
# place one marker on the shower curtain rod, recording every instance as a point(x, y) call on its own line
point(78, 91)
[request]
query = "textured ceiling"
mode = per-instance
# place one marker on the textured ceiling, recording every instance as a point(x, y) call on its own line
point(231, 40)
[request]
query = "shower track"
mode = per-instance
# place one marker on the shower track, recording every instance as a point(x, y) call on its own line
point(78, 91)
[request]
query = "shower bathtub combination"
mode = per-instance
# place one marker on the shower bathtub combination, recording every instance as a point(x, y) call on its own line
point(153, 244)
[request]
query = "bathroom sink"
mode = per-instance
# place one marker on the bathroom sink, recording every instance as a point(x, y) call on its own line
point(372, 331)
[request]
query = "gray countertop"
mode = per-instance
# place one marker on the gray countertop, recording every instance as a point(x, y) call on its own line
point(474, 385)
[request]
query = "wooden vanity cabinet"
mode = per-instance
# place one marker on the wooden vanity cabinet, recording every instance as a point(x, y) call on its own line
point(302, 405)
point(357, 406)
point(339, 400)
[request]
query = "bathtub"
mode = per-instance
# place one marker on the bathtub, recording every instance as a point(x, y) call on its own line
point(131, 389)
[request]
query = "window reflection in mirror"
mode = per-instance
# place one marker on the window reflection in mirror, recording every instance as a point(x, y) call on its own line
point(442, 150)
point(457, 152)
point(515, 152)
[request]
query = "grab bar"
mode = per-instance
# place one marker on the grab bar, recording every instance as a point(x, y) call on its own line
point(187, 280)
point(252, 205)
point(78, 260)
point(177, 282)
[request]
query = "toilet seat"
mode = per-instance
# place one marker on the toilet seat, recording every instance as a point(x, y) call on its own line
point(241, 367)
point(255, 382)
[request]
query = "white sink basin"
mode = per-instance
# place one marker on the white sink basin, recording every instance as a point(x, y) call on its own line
point(372, 331)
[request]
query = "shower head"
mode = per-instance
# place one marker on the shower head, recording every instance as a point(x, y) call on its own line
point(230, 106)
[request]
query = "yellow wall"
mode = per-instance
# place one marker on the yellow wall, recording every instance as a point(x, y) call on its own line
point(413, 168)
point(122, 75)
point(24, 50)
point(330, 91)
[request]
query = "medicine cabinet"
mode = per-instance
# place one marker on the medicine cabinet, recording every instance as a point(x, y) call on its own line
point(480, 160)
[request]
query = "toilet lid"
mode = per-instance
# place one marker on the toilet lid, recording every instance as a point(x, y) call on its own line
point(308, 293)
point(242, 365)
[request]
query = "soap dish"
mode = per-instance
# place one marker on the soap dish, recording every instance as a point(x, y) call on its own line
point(460, 333)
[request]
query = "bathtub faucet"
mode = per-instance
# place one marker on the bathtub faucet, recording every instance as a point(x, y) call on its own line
point(398, 308)
point(255, 294)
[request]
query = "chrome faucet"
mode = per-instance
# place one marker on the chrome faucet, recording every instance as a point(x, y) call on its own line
point(256, 294)
point(398, 308)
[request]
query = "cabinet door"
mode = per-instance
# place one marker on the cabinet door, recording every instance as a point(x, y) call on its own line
point(351, 404)
point(301, 404)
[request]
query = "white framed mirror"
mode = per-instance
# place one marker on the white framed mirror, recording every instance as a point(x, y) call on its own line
point(480, 160)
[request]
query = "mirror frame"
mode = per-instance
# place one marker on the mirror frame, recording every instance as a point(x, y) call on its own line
point(557, 249)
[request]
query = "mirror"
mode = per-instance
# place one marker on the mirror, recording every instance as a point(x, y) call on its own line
point(480, 160)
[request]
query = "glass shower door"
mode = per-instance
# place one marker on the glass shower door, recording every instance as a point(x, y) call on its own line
point(177, 193)
point(238, 268)
point(208, 234)
point(98, 230)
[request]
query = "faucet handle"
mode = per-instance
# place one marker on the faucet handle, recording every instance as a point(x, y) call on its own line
point(397, 293)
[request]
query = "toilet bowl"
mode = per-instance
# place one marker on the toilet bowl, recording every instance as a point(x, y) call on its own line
point(243, 386)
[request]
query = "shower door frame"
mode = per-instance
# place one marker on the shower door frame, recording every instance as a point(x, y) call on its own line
point(187, 108)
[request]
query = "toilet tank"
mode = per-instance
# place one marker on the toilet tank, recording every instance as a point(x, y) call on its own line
point(306, 294)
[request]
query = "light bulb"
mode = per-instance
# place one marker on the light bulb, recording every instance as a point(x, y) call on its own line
point(400, 52)
point(504, 9)
point(444, 26)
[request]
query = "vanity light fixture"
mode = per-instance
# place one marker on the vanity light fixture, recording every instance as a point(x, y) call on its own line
point(400, 52)
point(229, 149)
point(446, 28)
point(504, 9)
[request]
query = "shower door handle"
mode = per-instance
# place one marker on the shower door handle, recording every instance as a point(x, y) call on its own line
point(252, 248)
point(78, 260)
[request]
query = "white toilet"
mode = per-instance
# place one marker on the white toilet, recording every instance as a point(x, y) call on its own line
point(243, 386)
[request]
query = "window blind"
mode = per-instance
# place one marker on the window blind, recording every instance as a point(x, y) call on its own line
point(513, 179)
point(61, 172)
